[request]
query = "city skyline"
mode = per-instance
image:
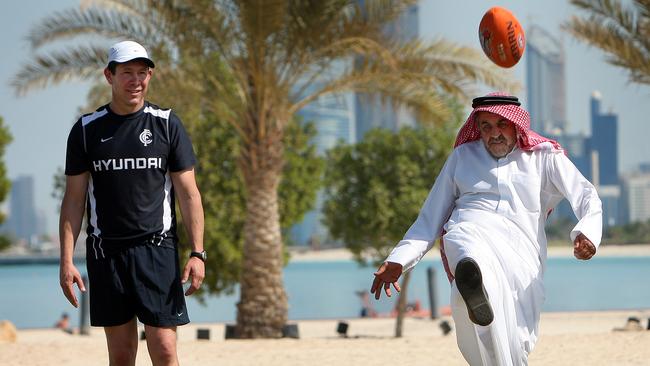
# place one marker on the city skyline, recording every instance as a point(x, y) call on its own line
point(41, 120)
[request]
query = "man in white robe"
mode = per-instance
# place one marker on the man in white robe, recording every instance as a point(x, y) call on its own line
point(489, 204)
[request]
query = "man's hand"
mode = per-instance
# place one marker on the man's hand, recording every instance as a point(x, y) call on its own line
point(583, 248)
point(387, 274)
point(194, 268)
point(68, 276)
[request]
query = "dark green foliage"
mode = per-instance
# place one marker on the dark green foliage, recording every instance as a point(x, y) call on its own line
point(5, 242)
point(301, 176)
point(376, 188)
point(634, 233)
point(223, 193)
point(5, 184)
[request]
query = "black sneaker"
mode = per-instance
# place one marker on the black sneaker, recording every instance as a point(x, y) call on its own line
point(470, 285)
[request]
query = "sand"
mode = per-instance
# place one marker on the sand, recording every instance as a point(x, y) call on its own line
point(584, 338)
point(579, 338)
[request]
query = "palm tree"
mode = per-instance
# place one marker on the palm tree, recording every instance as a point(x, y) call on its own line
point(273, 52)
point(620, 29)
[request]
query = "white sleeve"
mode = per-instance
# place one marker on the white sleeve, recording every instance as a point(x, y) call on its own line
point(582, 196)
point(420, 237)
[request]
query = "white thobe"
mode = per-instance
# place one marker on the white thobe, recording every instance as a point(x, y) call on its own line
point(493, 210)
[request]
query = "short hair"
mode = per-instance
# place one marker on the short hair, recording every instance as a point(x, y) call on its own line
point(112, 67)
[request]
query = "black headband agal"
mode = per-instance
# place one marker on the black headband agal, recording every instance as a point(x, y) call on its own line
point(495, 100)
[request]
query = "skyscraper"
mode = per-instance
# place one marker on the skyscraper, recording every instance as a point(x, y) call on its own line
point(604, 141)
point(597, 159)
point(545, 94)
point(22, 221)
point(636, 197)
point(603, 147)
point(347, 118)
point(369, 109)
point(545, 82)
point(333, 117)
point(596, 156)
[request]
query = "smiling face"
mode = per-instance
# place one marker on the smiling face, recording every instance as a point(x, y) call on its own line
point(497, 133)
point(129, 85)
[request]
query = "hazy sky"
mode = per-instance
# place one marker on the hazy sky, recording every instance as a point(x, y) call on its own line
point(40, 121)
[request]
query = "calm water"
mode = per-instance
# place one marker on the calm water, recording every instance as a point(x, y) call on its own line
point(31, 296)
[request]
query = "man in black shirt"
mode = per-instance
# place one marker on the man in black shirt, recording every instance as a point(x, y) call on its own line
point(125, 164)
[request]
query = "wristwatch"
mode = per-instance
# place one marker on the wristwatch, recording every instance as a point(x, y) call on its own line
point(201, 255)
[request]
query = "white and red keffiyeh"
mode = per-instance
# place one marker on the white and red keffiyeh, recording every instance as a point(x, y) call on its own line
point(527, 139)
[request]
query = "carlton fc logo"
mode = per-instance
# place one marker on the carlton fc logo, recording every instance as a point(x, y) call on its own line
point(145, 137)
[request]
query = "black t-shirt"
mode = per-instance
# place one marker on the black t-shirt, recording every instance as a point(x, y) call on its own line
point(129, 158)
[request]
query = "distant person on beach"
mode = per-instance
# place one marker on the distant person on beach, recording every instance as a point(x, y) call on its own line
point(489, 205)
point(126, 163)
point(367, 310)
point(63, 323)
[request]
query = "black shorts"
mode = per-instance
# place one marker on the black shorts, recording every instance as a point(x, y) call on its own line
point(135, 278)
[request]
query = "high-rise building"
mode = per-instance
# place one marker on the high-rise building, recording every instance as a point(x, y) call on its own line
point(545, 82)
point(636, 197)
point(603, 151)
point(577, 148)
point(604, 141)
point(610, 196)
point(347, 118)
point(595, 156)
point(22, 221)
point(333, 117)
point(370, 111)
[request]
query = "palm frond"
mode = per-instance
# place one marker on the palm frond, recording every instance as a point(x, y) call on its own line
point(133, 7)
point(643, 6)
point(81, 62)
point(321, 32)
point(105, 22)
point(383, 12)
point(413, 66)
point(261, 19)
point(448, 65)
point(621, 32)
point(619, 49)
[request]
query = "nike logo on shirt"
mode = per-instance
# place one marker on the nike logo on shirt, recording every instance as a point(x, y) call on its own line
point(106, 139)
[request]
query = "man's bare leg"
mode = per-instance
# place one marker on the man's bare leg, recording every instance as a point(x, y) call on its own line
point(161, 343)
point(122, 343)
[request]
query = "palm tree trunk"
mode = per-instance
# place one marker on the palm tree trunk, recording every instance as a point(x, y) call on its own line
point(401, 305)
point(262, 308)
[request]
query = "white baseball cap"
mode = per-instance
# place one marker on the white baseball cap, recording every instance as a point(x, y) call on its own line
point(126, 51)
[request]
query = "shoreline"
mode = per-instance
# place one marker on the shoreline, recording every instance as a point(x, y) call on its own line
point(555, 251)
point(305, 254)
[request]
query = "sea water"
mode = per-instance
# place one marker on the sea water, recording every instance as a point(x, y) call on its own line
point(30, 295)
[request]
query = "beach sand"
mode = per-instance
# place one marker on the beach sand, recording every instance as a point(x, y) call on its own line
point(583, 338)
point(577, 338)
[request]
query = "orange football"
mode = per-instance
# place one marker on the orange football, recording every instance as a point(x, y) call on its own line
point(502, 37)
